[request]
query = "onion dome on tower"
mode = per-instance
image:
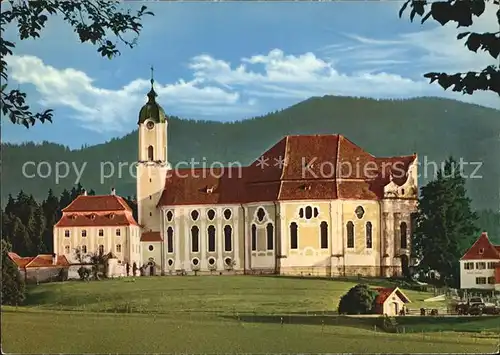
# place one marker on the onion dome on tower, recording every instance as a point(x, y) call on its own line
point(152, 110)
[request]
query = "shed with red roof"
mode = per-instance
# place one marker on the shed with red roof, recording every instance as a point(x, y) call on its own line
point(390, 301)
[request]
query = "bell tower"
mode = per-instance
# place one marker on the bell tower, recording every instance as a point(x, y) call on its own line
point(152, 165)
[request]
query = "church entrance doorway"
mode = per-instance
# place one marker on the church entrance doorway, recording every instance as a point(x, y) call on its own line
point(151, 267)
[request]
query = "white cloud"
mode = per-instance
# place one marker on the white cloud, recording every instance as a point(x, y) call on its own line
point(416, 53)
point(256, 84)
point(91, 104)
point(301, 76)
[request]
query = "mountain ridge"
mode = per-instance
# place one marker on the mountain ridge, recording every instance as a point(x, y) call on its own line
point(261, 116)
point(434, 128)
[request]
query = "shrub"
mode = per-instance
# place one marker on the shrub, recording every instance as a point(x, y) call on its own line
point(13, 288)
point(358, 300)
point(84, 273)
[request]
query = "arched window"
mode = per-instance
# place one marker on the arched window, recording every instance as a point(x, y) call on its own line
point(118, 248)
point(404, 232)
point(211, 238)
point(270, 236)
point(301, 213)
point(309, 212)
point(150, 153)
point(170, 240)
point(350, 234)
point(254, 237)
point(195, 239)
point(101, 232)
point(369, 235)
point(324, 234)
point(293, 236)
point(228, 238)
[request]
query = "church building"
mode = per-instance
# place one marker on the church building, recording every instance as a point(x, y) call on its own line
point(310, 205)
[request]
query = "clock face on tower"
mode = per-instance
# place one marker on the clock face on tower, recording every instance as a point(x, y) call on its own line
point(150, 125)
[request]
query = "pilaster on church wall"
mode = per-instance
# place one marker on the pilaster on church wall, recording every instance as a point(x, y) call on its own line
point(186, 241)
point(336, 228)
point(179, 235)
point(246, 234)
point(390, 235)
point(237, 257)
point(385, 233)
point(219, 234)
point(203, 238)
point(396, 236)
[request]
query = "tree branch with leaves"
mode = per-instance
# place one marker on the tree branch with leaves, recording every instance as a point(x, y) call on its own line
point(99, 22)
point(464, 13)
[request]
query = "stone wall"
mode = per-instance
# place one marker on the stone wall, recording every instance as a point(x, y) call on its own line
point(38, 275)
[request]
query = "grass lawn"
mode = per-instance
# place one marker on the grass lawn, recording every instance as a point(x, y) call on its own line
point(228, 294)
point(220, 314)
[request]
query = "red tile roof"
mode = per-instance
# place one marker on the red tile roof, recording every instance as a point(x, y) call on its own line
point(97, 203)
point(41, 260)
point(295, 168)
point(151, 237)
point(45, 260)
point(101, 219)
point(97, 211)
point(385, 292)
point(20, 261)
point(482, 249)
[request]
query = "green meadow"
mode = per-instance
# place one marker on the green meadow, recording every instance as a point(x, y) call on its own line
point(210, 314)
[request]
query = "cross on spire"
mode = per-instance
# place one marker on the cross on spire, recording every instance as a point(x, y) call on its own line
point(152, 93)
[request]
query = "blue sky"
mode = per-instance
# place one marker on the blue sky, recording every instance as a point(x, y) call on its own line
point(231, 61)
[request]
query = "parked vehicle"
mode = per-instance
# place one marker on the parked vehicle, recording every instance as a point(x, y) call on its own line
point(476, 309)
point(491, 309)
point(476, 300)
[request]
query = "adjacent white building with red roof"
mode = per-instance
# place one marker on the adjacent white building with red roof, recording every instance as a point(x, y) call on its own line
point(480, 265)
point(102, 223)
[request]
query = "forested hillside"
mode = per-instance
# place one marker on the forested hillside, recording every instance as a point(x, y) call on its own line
point(434, 128)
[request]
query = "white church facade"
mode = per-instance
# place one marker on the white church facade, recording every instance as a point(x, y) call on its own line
point(310, 205)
